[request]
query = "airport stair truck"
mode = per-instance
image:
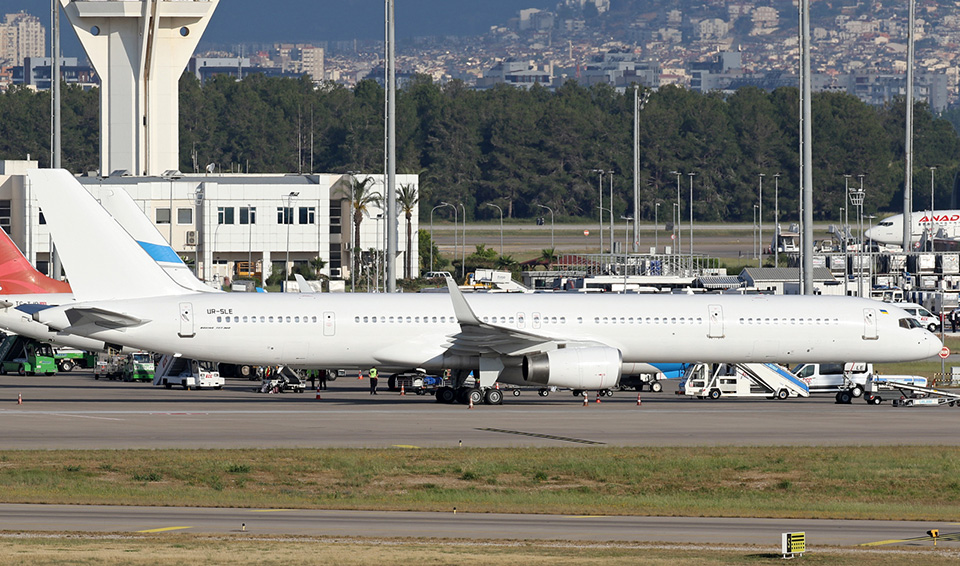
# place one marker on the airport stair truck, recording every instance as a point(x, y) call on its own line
point(26, 356)
point(187, 373)
point(742, 380)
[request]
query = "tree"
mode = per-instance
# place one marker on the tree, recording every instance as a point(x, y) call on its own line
point(407, 198)
point(361, 196)
point(548, 256)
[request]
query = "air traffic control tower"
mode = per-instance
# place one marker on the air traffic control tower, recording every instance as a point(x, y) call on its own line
point(139, 49)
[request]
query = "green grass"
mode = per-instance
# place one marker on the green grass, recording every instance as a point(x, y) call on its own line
point(909, 482)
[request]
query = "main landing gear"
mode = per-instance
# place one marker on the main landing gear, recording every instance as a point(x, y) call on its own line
point(465, 395)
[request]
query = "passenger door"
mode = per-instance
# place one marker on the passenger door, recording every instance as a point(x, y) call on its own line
point(186, 320)
point(329, 324)
point(715, 321)
point(869, 324)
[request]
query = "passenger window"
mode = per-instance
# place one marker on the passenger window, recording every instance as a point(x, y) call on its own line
point(373, 319)
point(262, 319)
point(416, 319)
point(510, 320)
point(434, 320)
point(244, 319)
point(579, 320)
point(236, 319)
point(563, 320)
point(297, 319)
point(365, 319)
point(313, 319)
point(219, 319)
point(391, 320)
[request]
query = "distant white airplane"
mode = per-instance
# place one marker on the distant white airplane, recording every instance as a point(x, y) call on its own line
point(941, 224)
point(580, 341)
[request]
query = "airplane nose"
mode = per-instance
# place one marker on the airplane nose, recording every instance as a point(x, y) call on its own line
point(933, 344)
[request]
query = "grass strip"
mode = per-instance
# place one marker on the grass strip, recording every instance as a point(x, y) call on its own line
point(870, 482)
point(240, 551)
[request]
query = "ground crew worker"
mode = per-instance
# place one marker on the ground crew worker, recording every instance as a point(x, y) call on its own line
point(373, 381)
point(323, 378)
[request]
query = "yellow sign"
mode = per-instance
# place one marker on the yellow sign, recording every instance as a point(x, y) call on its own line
point(793, 543)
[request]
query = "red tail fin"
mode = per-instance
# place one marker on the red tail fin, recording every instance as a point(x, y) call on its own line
point(18, 277)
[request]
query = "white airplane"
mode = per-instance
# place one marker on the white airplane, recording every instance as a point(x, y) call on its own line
point(21, 284)
point(578, 341)
point(941, 224)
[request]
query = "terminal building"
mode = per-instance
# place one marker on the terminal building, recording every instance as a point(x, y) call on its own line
point(218, 222)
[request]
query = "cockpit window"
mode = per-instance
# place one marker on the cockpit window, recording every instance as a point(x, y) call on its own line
point(910, 323)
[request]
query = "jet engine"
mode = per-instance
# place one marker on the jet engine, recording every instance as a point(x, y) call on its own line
point(595, 367)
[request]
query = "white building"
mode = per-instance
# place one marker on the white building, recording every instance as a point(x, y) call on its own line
point(21, 35)
point(218, 220)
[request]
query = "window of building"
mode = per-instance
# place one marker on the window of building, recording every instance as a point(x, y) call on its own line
point(225, 215)
point(284, 215)
point(184, 216)
point(308, 215)
point(5, 215)
point(248, 215)
point(163, 216)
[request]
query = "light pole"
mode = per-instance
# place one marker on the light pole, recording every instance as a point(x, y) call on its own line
point(679, 208)
point(501, 225)
point(431, 232)
point(754, 231)
point(455, 248)
point(846, 276)
point(656, 227)
point(691, 220)
point(626, 234)
point(932, 217)
point(552, 246)
point(376, 253)
point(353, 227)
point(776, 219)
point(856, 199)
point(289, 221)
point(673, 235)
point(249, 238)
point(463, 243)
point(611, 215)
point(600, 192)
point(760, 220)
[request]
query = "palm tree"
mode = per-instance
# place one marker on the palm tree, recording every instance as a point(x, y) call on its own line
point(361, 195)
point(548, 256)
point(407, 198)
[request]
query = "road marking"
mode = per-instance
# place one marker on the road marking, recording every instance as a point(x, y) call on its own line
point(951, 537)
point(538, 435)
point(881, 542)
point(269, 510)
point(164, 529)
point(584, 516)
point(411, 446)
point(87, 417)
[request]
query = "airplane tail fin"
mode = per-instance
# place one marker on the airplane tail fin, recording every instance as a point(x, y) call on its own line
point(118, 203)
point(18, 277)
point(102, 261)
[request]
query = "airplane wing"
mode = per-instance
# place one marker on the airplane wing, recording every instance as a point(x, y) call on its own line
point(476, 337)
point(85, 315)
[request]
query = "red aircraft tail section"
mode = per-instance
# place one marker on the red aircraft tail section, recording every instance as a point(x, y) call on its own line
point(18, 277)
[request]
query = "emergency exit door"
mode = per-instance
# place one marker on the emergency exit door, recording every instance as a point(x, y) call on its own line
point(715, 321)
point(329, 324)
point(186, 320)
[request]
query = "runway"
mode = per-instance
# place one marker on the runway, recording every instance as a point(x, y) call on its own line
point(467, 526)
point(74, 411)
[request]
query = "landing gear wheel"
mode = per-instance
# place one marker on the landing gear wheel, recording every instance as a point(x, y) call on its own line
point(606, 392)
point(857, 391)
point(392, 382)
point(638, 387)
point(446, 395)
point(493, 397)
point(714, 394)
point(656, 387)
point(782, 394)
point(516, 392)
point(845, 397)
point(577, 393)
point(543, 392)
point(475, 396)
point(463, 395)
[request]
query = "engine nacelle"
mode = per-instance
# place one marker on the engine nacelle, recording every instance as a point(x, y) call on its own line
point(594, 367)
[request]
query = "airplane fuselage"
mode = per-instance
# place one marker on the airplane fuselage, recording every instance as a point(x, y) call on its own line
point(940, 223)
point(417, 330)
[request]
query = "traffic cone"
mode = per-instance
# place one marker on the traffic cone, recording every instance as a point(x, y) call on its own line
point(402, 390)
point(598, 396)
point(19, 398)
point(496, 385)
point(471, 402)
point(318, 393)
point(638, 400)
point(585, 399)
point(360, 375)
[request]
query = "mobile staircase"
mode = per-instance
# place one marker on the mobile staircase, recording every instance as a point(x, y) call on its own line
point(911, 395)
point(743, 380)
